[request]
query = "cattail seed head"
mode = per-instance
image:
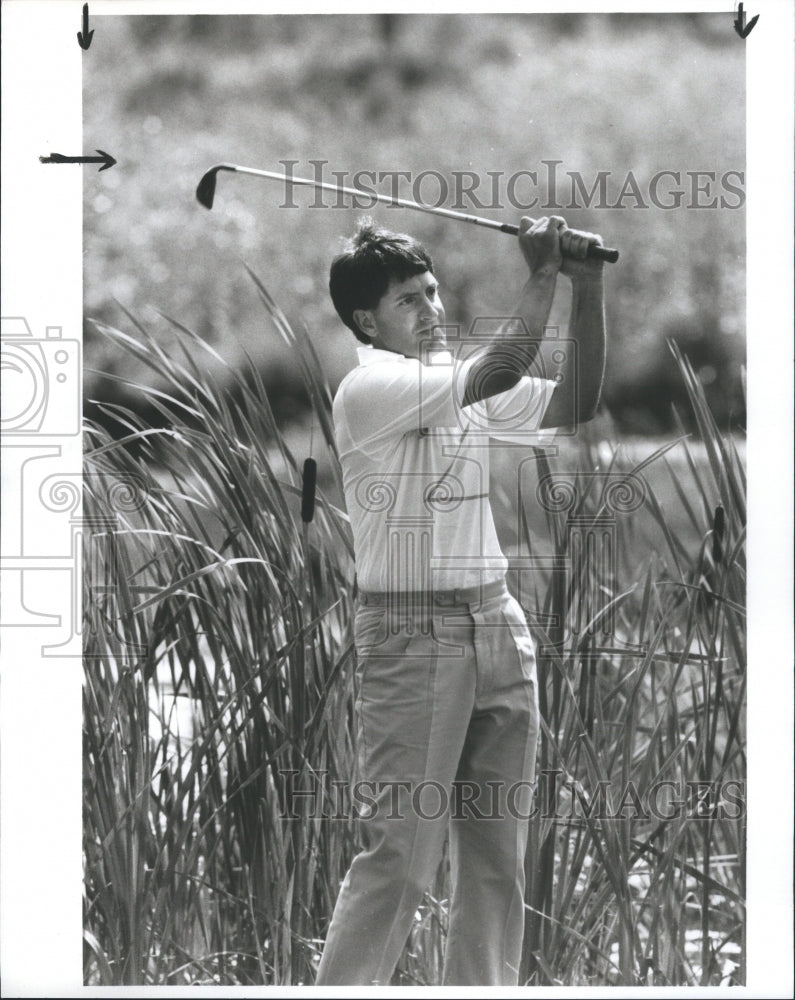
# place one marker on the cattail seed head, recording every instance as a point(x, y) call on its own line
point(308, 481)
point(718, 533)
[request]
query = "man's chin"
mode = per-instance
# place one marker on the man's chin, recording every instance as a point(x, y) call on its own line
point(434, 340)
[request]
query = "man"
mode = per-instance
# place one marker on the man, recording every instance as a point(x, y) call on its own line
point(446, 706)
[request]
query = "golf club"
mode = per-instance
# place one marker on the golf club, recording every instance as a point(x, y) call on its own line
point(205, 193)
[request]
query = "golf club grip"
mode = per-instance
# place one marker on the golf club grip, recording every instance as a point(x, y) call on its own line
point(607, 254)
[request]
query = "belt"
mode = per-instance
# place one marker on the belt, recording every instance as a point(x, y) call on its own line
point(443, 598)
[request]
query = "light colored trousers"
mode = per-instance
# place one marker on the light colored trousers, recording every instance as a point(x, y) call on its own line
point(446, 692)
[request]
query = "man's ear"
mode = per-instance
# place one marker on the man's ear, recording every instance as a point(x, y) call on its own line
point(365, 320)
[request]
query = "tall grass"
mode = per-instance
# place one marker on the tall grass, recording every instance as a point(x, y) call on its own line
point(218, 708)
point(628, 885)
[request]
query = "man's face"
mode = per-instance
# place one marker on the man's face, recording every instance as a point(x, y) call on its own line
point(409, 315)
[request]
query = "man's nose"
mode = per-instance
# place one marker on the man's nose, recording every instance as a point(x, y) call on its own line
point(432, 310)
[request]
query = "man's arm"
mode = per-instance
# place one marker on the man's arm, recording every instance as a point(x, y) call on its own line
point(514, 348)
point(516, 345)
point(576, 399)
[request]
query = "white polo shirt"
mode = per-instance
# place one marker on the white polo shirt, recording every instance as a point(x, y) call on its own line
point(415, 468)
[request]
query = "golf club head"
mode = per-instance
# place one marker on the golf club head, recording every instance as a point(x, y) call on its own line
point(205, 192)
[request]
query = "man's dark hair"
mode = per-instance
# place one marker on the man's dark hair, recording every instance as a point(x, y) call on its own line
point(372, 259)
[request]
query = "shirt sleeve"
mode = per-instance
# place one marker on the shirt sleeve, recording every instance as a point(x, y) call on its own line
point(515, 415)
point(384, 401)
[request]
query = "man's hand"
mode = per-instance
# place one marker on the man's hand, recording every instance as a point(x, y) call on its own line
point(539, 240)
point(574, 247)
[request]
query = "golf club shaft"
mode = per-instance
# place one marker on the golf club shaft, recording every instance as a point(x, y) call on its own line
point(594, 250)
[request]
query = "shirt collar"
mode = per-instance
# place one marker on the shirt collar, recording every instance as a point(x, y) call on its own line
point(370, 355)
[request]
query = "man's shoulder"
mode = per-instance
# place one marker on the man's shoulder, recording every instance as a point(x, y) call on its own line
point(359, 384)
point(350, 384)
point(376, 374)
point(347, 380)
point(377, 393)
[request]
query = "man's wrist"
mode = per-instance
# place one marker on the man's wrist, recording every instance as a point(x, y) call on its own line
point(590, 284)
point(588, 277)
point(544, 278)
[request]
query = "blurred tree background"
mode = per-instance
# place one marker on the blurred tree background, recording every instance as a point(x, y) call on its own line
point(169, 96)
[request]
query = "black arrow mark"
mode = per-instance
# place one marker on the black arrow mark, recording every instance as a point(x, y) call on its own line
point(740, 26)
point(84, 37)
point(103, 157)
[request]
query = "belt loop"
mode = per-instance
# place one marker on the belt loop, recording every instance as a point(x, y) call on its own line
point(362, 597)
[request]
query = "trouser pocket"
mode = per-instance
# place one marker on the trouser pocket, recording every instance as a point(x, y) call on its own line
point(513, 615)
